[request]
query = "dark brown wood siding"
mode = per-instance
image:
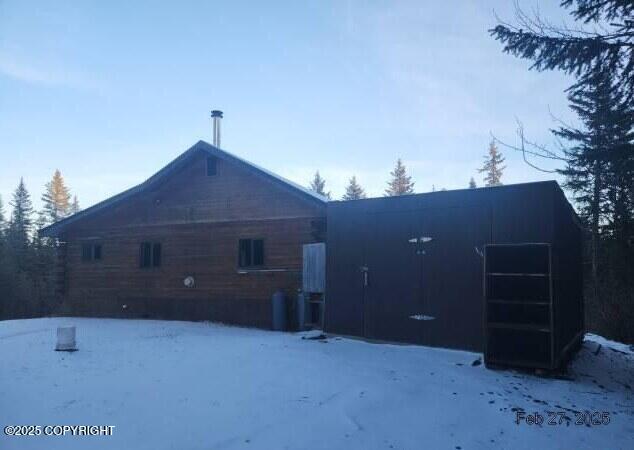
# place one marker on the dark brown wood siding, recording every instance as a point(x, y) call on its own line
point(198, 220)
point(190, 196)
point(385, 282)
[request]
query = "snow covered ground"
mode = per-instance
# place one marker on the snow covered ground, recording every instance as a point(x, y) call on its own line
point(179, 385)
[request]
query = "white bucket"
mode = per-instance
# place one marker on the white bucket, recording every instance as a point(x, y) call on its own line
point(65, 339)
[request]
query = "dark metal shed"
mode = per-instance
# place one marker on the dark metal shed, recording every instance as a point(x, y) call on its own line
point(412, 269)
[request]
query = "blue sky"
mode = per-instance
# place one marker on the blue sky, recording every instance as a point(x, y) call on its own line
point(109, 92)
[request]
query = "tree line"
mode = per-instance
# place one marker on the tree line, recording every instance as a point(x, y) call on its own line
point(27, 260)
point(400, 183)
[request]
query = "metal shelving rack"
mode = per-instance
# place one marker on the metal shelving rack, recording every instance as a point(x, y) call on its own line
point(518, 305)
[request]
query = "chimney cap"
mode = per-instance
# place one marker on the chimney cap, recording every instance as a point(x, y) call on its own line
point(216, 113)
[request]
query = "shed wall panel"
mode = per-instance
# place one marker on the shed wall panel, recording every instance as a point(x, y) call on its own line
point(345, 256)
point(443, 287)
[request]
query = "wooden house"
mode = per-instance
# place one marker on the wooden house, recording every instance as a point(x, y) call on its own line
point(208, 237)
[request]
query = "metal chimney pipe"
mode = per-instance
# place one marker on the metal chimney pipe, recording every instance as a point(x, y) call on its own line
point(215, 117)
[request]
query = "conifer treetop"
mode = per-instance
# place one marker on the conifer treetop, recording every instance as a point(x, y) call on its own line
point(401, 183)
point(318, 185)
point(74, 206)
point(492, 167)
point(21, 223)
point(354, 191)
point(56, 199)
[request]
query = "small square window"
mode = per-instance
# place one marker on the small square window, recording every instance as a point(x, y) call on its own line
point(150, 254)
point(250, 252)
point(211, 166)
point(90, 252)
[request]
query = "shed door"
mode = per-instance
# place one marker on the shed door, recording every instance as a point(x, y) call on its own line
point(452, 275)
point(425, 276)
point(393, 291)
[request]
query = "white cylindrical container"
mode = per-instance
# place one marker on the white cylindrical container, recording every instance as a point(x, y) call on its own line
point(66, 339)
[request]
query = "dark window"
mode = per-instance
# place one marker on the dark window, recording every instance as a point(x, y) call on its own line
point(251, 252)
point(86, 252)
point(244, 252)
point(150, 254)
point(211, 166)
point(145, 254)
point(90, 252)
point(258, 252)
point(96, 252)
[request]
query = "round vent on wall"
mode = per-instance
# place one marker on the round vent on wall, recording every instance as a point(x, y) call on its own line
point(189, 282)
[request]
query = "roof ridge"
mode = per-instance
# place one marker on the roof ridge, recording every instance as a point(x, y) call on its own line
point(267, 172)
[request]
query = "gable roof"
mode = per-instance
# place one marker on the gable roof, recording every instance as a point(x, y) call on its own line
point(180, 161)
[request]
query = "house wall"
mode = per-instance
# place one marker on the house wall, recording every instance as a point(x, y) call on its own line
point(198, 220)
point(188, 195)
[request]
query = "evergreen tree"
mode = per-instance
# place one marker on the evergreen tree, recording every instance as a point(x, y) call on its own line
point(27, 262)
point(6, 276)
point(37, 241)
point(42, 270)
point(401, 183)
point(56, 199)
point(599, 164)
point(605, 45)
point(20, 225)
point(354, 191)
point(2, 222)
point(598, 49)
point(2, 240)
point(620, 177)
point(19, 230)
point(600, 160)
point(493, 168)
point(472, 184)
point(318, 185)
point(74, 207)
